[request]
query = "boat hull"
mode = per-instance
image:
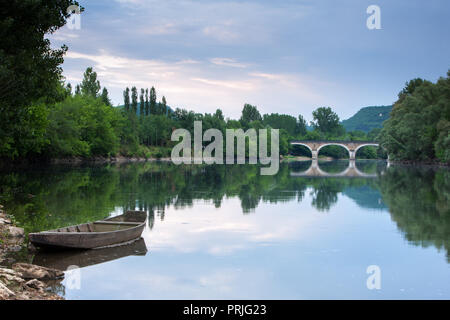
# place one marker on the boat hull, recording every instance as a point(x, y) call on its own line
point(71, 237)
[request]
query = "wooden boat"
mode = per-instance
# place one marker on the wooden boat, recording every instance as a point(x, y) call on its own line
point(107, 232)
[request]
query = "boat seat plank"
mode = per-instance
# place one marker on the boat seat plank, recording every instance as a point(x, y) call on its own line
point(118, 223)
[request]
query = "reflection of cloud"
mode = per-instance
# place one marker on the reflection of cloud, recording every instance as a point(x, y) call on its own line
point(224, 231)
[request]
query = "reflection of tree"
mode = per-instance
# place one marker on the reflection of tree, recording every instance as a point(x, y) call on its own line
point(419, 202)
point(74, 195)
point(325, 194)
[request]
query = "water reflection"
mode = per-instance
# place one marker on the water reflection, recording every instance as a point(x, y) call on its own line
point(223, 210)
point(47, 198)
point(62, 259)
point(419, 203)
point(347, 169)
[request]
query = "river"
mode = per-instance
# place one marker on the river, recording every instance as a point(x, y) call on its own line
point(226, 232)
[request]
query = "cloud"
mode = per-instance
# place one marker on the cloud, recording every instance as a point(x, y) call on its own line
point(196, 84)
point(163, 29)
point(221, 33)
point(228, 62)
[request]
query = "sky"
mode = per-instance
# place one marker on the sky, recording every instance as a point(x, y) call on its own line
point(282, 56)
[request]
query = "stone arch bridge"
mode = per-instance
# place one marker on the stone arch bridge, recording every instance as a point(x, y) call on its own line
point(351, 146)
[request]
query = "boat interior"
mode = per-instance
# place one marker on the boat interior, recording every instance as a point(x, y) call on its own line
point(99, 226)
point(127, 220)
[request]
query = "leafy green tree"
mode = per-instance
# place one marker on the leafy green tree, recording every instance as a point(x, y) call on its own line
point(164, 105)
point(30, 71)
point(249, 113)
point(418, 128)
point(301, 126)
point(90, 86)
point(82, 126)
point(153, 101)
point(105, 97)
point(126, 99)
point(134, 100)
point(77, 89)
point(69, 89)
point(219, 115)
point(141, 103)
point(281, 121)
point(147, 104)
point(326, 121)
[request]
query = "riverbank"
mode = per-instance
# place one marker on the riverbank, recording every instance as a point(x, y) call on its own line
point(420, 163)
point(113, 159)
point(21, 281)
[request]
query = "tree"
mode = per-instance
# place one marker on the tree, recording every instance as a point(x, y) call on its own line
point(419, 125)
point(301, 126)
point(164, 106)
point(77, 89)
point(281, 121)
point(83, 126)
point(105, 97)
point(219, 114)
point(249, 113)
point(90, 86)
point(126, 99)
point(134, 99)
point(69, 89)
point(29, 68)
point(327, 122)
point(147, 104)
point(153, 101)
point(141, 103)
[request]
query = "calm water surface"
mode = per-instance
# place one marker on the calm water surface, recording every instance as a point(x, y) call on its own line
point(225, 232)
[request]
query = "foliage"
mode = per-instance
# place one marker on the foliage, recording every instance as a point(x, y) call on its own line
point(249, 113)
point(326, 121)
point(90, 86)
point(418, 128)
point(29, 70)
point(82, 126)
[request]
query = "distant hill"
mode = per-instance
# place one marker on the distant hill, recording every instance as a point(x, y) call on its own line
point(367, 118)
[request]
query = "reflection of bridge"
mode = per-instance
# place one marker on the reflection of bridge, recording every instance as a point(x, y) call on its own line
point(351, 146)
point(315, 171)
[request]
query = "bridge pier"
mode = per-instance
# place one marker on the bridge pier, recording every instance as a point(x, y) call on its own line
point(352, 154)
point(314, 154)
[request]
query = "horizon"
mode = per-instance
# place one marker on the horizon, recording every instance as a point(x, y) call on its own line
point(289, 57)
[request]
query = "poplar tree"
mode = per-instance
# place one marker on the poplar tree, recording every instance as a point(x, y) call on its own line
point(153, 101)
point(164, 105)
point(147, 105)
point(105, 97)
point(126, 99)
point(134, 99)
point(141, 104)
point(90, 86)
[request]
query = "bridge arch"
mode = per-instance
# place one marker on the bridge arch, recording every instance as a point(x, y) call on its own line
point(334, 144)
point(302, 144)
point(308, 147)
point(366, 145)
